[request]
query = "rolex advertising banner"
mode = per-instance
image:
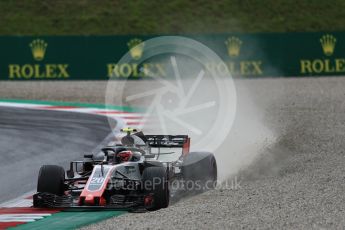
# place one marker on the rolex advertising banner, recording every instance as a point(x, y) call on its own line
point(96, 57)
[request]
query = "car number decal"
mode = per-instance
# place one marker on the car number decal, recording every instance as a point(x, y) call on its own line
point(98, 179)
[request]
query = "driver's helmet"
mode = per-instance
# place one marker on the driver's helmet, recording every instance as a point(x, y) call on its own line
point(124, 156)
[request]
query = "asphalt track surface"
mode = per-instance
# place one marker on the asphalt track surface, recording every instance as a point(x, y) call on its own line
point(30, 138)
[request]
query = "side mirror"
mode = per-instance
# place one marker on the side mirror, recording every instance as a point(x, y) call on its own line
point(70, 173)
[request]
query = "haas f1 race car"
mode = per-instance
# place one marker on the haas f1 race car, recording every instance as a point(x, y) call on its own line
point(137, 173)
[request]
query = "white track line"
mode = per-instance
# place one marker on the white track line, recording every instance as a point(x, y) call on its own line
point(19, 202)
point(22, 217)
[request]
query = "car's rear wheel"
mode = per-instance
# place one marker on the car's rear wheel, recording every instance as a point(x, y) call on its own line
point(51, 180)
point(200, 171)
point(155, 182)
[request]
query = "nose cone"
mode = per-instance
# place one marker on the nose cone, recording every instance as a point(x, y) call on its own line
point(89, 199)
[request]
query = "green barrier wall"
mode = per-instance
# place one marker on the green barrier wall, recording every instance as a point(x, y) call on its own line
point(95, 57)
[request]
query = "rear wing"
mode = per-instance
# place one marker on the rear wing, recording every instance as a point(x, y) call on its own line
point(169, 141)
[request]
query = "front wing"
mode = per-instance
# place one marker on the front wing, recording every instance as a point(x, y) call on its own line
point(117, 202)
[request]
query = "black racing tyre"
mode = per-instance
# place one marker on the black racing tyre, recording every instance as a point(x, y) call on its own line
point(200, 168)
point(51, 180)
point(156, 183)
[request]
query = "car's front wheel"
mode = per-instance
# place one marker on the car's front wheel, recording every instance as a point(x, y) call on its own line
point(51, 180)
point(155, 182)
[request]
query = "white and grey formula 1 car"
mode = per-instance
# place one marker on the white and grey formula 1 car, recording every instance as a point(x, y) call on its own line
point(138, 173)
